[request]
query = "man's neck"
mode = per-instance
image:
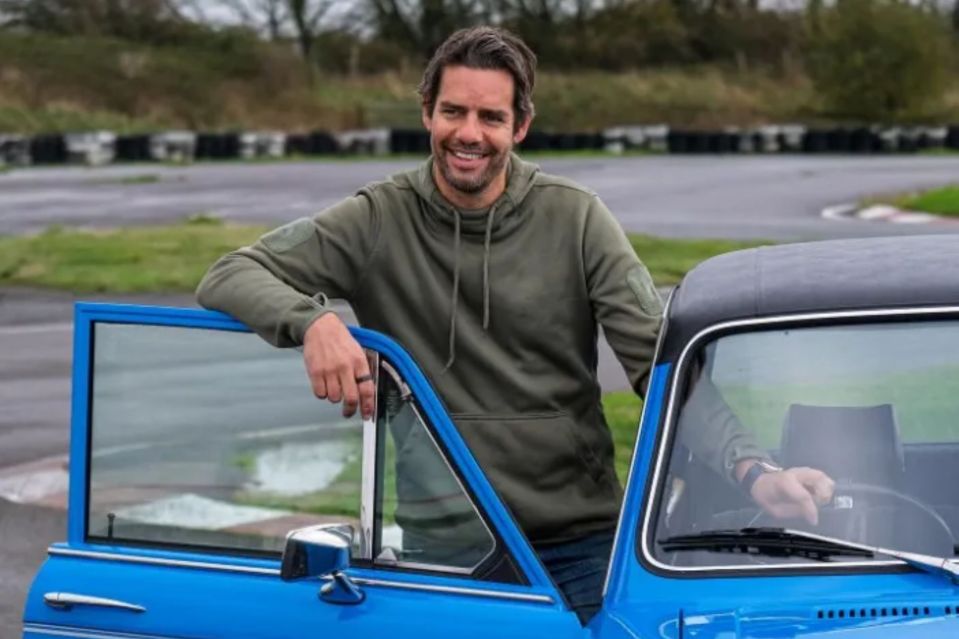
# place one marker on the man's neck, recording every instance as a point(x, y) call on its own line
point(483, 199)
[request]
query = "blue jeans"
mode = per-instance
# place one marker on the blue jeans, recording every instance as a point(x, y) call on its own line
point(579, 569)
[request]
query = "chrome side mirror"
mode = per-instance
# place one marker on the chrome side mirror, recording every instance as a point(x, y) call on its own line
point(324, 552)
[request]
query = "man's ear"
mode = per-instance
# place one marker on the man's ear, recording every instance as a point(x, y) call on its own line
point(427, 118)
point(522, 130)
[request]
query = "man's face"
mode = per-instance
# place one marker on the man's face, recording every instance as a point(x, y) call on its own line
point(472, 130)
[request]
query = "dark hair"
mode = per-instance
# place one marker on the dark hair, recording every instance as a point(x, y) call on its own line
point(484, 48)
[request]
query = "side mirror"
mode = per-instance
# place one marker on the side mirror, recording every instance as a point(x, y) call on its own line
point(323, 552)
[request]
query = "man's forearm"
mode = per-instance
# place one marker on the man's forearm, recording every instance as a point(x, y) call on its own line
point(244, 288)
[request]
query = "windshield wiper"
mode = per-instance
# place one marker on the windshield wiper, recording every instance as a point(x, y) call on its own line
point(775, 542)
point(784, 542)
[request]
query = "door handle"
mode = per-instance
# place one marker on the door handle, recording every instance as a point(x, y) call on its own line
point(67, 600)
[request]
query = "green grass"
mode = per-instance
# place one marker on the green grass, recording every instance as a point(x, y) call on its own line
point(622, 410)
point(173, 258)
point(132, 180)
point(130, 260)
point(940, 201)
point(669, 259)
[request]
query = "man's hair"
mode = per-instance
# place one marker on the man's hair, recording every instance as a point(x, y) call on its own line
point(484, 48)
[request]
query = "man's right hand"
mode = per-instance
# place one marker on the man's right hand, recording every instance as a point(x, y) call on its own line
point(334, 362)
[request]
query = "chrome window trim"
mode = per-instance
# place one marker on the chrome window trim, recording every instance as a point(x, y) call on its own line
point(660, 340)
point(368, 465)
point(676, 375)
point(158, 561)
point(275, 572)
point(74, 632)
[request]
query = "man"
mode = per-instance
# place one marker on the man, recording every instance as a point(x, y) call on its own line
point(495, 277)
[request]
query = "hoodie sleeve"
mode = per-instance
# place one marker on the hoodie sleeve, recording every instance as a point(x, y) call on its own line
point(625, 302)
point(629, 308)
point(280, 284)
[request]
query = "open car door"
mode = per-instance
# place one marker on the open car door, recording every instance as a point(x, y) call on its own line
point(196, 447)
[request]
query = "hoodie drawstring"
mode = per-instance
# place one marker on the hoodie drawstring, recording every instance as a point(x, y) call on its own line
point(486, 252)
point(456, 286)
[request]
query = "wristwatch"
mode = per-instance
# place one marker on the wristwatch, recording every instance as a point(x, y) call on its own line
point(761, 467)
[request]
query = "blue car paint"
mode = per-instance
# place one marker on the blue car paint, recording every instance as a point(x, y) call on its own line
point(639, 602)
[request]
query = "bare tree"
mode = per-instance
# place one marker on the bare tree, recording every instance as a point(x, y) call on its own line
point(268, 17)
point(307, 18)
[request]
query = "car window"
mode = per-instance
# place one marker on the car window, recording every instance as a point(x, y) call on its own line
point(424, 515)
point(214, 439)
point(872, 405)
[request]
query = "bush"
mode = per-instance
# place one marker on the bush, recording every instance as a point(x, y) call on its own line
point(879, 59)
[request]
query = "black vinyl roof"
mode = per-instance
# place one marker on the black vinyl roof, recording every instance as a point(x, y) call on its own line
point(813, 277)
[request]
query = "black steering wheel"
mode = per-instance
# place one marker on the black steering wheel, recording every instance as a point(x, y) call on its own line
point(876, 515)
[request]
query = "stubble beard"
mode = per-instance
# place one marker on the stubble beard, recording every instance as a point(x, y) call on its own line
point(473, 185)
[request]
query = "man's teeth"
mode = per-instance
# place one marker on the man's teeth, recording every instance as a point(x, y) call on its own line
point(467, 156)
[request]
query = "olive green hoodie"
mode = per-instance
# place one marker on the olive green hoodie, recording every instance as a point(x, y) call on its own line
point(499, 308)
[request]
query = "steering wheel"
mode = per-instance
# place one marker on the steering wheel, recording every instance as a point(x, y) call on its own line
point(855, 514)
point(856, 502)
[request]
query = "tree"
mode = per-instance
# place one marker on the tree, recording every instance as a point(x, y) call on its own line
point(269, 17)
point(880, 59)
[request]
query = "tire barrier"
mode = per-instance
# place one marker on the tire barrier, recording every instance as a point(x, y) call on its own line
point(184, 146)
point(48, 149)
point(133, 148)
point(952, 138)
point(409, 141)
point(217, 146)
point(14, 150)
point(94, 148)
point(173, 146)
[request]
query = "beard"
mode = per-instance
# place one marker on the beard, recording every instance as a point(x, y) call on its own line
point(471, 184)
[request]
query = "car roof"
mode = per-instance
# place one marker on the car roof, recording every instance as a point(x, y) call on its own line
point(814, 277)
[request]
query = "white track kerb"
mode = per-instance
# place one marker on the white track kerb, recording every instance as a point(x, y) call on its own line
point(881, 213)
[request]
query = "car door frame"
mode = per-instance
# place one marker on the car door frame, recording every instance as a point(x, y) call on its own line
point(539, 589)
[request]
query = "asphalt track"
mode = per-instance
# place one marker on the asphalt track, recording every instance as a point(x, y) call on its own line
point(777, 198)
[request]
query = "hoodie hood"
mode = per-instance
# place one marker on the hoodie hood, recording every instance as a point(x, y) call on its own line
point(520, 177)
point(499, 220)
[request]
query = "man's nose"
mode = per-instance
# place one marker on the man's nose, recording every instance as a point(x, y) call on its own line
point(469, 131)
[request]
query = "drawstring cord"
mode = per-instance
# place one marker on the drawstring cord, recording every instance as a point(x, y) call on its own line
point(456, 286)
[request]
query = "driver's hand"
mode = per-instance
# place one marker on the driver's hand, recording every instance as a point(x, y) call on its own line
point(794, 492)
point(335, 362)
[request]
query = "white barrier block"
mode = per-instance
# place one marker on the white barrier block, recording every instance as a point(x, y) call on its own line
point(369, 141)
point(93, 148)
point(173, 146)
point(656, 137)
point(791, 136)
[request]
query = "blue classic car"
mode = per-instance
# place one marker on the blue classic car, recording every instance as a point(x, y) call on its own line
point(211, 495)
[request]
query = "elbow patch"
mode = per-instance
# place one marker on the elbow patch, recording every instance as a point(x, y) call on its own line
point(289, 236)
point(641, 284)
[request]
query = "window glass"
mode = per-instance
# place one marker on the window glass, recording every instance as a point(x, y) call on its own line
point(874, 406)
point(213, 438)
point(423, 514)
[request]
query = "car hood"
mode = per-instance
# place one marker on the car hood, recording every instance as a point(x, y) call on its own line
point(758, 625)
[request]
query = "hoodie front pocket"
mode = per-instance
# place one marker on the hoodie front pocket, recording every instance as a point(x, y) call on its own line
point(539, 463)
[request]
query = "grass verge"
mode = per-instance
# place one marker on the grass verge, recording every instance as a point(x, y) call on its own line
point(941, 201)
point(172, 259)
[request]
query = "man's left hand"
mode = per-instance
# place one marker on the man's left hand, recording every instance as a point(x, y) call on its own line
point(794, 492)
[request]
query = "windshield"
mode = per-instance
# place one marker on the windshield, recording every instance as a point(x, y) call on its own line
point(874, 407)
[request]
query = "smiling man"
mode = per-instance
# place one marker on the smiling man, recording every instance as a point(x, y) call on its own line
point(496, 277)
